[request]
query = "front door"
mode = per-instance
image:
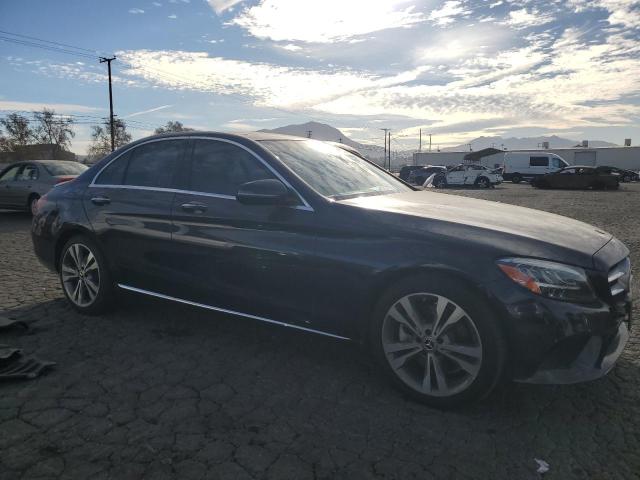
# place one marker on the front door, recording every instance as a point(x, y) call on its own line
point(129, 206)
point(456, 176)
point(7, 180)
point(250, 259)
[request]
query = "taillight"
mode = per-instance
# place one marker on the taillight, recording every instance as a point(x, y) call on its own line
point(63, 179)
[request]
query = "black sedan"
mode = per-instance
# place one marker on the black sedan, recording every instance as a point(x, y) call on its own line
point(451, 294)
point(577, 177)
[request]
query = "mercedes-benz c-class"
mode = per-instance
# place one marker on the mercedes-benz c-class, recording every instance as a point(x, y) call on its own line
point(451, 294)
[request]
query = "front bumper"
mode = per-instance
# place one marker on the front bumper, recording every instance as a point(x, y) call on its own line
point(556, 342)
point(594, 360)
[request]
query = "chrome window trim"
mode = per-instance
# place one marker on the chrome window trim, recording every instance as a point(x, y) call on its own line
point(306, 206)
point(225, 310)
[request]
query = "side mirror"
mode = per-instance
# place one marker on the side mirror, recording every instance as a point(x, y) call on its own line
point(264, 192)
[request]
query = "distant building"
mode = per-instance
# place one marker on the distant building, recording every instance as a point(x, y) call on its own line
point(621, 157)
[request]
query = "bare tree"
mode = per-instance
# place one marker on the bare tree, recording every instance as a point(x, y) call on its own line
point(19, 132)
point(54, 129)
point(101, 138)
point(172, 126)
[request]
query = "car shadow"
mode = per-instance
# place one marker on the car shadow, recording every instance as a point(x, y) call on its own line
point(13, 221)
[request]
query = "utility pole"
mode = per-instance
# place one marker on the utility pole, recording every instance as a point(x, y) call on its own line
point(384, 159)
point(309, 133)
point(429, 142)
point(389, 150)
point(113, 133)
point(420, 144)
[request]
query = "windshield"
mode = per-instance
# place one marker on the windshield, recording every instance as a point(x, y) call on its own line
point(64, 168)
point(332, 171)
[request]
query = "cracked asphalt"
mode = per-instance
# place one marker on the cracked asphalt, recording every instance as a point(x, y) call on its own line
point(157, 390)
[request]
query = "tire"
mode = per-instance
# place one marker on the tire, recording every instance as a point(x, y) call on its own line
point(626, 178)
point(440, 182)
point(476, 330)
point(420, 181)
point(516, 178)
point(483, 182)
point(33, 202)
point(86, 283)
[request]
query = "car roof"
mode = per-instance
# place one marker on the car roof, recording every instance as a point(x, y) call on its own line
point(255, 136)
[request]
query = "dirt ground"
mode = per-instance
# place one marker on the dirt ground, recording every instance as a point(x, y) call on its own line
point(156, 390)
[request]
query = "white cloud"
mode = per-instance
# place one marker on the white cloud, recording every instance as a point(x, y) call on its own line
point(291, 47)
point(524, 18)
point(173, 16)
point(157, 4)
point(448, 13)
point(220, 6)
point(136, 11)
point(326, 21)
point(267, 84)
point(58, 107)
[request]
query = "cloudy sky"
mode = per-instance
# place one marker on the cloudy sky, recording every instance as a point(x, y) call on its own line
point(457, 69)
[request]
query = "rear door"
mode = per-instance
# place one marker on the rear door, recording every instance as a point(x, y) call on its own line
point(250, 259)
point(129, 206)
point(456, 175)
point(24, 183)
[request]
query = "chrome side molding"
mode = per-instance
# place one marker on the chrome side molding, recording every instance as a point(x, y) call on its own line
point(231, 312)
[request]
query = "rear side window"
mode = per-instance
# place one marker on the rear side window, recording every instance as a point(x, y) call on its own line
point(539, 161)
point(114, 173)
point(220, 168)
point(153, 164)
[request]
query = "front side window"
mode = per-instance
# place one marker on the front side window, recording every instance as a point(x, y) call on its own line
point(568, 171)
point(332, 171)
point(153, 164)
point(221, 167)
point(29, 172)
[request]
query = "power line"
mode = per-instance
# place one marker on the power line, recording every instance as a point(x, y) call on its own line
point(46, 47)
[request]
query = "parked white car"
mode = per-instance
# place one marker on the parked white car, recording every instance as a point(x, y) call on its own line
point(520, 166)
point(477, 175)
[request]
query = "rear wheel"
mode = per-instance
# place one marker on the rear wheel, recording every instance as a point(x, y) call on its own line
point(516, 178)
point(33, 203)
point(84, 276)
point(438, 341)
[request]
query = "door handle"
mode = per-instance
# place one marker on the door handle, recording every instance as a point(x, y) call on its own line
point(101, 200)
point(194, 207)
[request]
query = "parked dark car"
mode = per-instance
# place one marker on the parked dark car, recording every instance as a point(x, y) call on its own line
point(577, 176)
point(451, 294)
point(23, 183)
point(406, 171)
point(623, 175)
point(418, 177)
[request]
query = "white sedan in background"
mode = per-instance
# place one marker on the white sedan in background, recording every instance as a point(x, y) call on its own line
point(476, 175)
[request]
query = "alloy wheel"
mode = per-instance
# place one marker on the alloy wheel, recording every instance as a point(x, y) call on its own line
point(432, 344)
point(483, 183)
point(80, 274)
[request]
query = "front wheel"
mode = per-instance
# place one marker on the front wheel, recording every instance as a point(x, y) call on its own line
point(626, 178)
point(84, 276)
point(438, 341)
point(516, 178)
point(33, 204)
point(483, 182)
point(440, 182)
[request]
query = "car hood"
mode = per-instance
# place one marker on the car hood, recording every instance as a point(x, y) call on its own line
point(520, 230)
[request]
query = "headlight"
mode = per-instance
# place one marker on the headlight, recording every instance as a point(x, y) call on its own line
point(549, 279)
